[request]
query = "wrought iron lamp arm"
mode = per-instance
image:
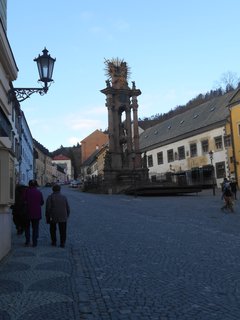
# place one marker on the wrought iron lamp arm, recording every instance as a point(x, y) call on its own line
point(22, 94)
point(45, 65)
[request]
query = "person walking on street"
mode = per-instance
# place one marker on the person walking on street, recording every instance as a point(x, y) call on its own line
point(223, 184)
point(19, 209)
point(227, 195)
point(57, 213)
point(233, 185)
point(34, 201)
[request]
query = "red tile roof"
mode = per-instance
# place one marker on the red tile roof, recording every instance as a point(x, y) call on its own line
point(61, 157)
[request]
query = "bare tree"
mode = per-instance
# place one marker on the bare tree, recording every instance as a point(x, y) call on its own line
point(229, 81)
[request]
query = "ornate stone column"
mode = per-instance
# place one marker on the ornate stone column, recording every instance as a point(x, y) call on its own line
point(129, 129)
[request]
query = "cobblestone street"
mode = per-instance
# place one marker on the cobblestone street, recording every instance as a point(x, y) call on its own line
point(166, 258)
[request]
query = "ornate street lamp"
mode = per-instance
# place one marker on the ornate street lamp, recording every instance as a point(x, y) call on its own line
point(45, 64)
point(213, 172)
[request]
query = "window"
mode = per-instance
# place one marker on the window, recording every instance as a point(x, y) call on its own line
point(195, 173)
point(227, 141)
point(218, 142)
point(11, 178)
point(154, 178)
point(181, 153)
point(220, 170)
point(170, 155)
point(150, 161)
point(193, 150)
point(205, 146)
point(160, 157)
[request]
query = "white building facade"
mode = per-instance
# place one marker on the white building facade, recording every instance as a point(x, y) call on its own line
point(66, 164)
point(26, 164)
point(188, 154)
point(181, 145)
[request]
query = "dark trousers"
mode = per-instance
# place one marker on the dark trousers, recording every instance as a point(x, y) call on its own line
point(62, 227)
point(35, 231)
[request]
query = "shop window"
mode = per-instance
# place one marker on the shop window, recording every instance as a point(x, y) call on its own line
point(154, 178)
point(195, 174)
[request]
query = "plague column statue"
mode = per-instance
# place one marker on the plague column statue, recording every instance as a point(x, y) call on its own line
point(123, 161)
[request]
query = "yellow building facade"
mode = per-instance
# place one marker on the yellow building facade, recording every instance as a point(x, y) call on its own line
point(233, 129)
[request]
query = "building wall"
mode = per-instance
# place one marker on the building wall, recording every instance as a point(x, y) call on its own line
point(8, 73)
point(94, 141)
point(3, 13)
point(201, 159)
point(39, 167)
point(235, 121)
point(101, 161)
point(26, 162)
point(69, 171)
point(48, 170)
point(57, 174)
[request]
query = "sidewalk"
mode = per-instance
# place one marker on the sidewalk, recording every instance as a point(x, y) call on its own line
point(39, 282)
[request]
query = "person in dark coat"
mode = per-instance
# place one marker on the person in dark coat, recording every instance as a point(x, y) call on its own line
point(227, 195)
point(34, 201)
point(19, 209)
point(57, 213)
point(234, 188)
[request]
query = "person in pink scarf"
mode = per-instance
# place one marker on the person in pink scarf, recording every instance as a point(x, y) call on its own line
point(34, 201)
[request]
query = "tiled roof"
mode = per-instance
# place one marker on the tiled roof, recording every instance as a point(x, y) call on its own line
point(41, 147)
point(211, 113)
point(61, 157)
point(145, 124)
point(91, 158)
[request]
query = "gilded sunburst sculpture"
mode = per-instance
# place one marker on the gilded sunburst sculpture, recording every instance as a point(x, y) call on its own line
point(117, 70)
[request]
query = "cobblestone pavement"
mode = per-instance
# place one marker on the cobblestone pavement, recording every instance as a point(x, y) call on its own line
point(165, 258)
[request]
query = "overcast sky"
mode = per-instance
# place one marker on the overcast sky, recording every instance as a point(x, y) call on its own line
point(175, 50)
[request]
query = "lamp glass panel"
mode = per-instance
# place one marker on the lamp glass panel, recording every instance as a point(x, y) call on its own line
point(44, 65)
point(50, 68)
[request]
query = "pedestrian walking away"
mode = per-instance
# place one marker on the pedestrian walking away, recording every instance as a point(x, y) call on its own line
point(57, 213)
point(228, 197)
point(19, 209)
point(234, 188)
point(223, 186)
point(34, 201)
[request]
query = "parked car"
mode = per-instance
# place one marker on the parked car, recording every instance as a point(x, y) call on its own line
point(49, 184)
point(75, 184)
